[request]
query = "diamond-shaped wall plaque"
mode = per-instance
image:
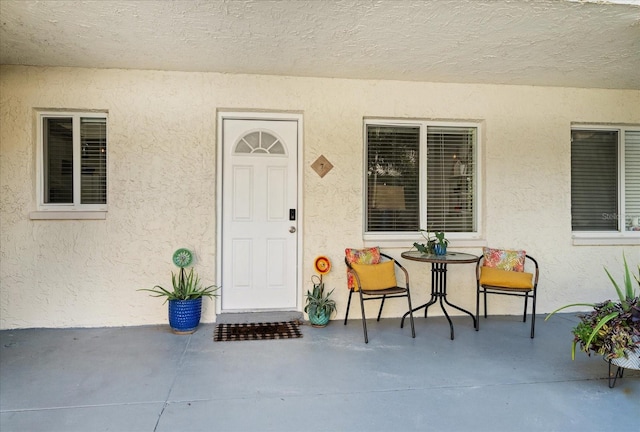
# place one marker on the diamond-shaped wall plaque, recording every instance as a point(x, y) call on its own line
point(321, 166)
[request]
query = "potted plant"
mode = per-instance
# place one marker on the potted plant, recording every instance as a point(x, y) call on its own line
point(435, 245)
point(185, 299)
point(319, 306)
point(612, 328)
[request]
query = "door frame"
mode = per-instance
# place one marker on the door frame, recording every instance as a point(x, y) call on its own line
point(261, 115)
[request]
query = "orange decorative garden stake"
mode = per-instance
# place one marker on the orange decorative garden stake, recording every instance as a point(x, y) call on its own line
point(319, 306)
point(322, 265)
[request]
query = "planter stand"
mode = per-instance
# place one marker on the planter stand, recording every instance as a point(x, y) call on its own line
point(631, 362)
point(614, 377)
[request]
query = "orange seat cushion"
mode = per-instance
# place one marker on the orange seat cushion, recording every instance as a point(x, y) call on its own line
point(505, 278)
point(376, 276)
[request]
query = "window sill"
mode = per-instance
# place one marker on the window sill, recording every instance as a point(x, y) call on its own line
point(606, 239)
point(407, 243)
point(68, 215)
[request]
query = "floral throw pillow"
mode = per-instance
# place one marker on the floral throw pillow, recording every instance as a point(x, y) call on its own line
point(504, 259)
point(360, 256)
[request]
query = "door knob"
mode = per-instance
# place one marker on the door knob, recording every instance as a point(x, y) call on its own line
point(292, 229)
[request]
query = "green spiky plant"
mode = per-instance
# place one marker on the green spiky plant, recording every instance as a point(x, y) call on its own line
point(317, 302)
point(186, 286)
point(612, 328)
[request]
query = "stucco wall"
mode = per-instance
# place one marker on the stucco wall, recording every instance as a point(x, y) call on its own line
point(162, 170)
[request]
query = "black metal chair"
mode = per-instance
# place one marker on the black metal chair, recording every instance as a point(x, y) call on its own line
point(378, 282)
point(507, 282)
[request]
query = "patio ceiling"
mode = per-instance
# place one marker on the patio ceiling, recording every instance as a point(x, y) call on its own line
point(571, 43)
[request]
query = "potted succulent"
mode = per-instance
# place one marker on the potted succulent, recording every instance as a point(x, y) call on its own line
point(612, 328)
point(185, 299)
point(319, 305)
point(435, 245)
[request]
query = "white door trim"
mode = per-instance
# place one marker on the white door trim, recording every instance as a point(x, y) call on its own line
point(249, 115)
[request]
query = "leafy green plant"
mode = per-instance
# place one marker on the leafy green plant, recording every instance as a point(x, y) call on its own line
point(186, 286)
point(611, 328)
point(440, 238)
point(317, 302)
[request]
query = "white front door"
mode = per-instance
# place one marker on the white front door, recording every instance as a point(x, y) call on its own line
point(259, 214)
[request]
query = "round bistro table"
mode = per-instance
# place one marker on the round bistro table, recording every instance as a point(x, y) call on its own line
point(439, 280)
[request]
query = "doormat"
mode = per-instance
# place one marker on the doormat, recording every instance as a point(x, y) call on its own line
point(256, 331)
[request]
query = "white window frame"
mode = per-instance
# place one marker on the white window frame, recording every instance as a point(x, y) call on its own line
point(74, 210)
point(401, 239)
point(620, 237)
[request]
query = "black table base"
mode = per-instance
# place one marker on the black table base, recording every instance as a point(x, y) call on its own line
point(439, 294)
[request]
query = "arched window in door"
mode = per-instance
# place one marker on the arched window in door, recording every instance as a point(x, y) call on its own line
point(259, 142)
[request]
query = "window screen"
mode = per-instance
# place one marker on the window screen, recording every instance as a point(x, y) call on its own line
point(594, 180)
point(58, 160)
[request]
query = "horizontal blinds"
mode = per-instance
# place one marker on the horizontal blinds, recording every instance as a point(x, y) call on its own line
point(450, 178)
point(632, 175)
point(392, 178)
point(93, 158)
point(58, 160)
point(594, 180)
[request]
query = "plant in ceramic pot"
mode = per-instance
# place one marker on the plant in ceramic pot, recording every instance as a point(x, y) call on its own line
point(436, 244)
point(612, 328)
point(319, 305)
point(185, 299)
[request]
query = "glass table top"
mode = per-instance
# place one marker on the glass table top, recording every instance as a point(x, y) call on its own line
point(449, 257)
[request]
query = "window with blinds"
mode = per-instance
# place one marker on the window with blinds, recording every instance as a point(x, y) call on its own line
point(393, 178)
point(632, 179)
point(93, 160)
point(605, 179)
point(450, 178)
point(420, 176)
point(74, 161)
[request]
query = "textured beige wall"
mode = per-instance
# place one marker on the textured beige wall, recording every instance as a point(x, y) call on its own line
point(162, 170)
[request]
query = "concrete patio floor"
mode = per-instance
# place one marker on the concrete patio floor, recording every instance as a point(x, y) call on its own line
point(148, 379)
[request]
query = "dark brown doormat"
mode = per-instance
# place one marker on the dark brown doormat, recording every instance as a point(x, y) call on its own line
point(256, 331)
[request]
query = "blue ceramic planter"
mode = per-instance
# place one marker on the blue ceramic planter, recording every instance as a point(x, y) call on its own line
point(184, 315)
point(318, 319)
point(439, 249)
